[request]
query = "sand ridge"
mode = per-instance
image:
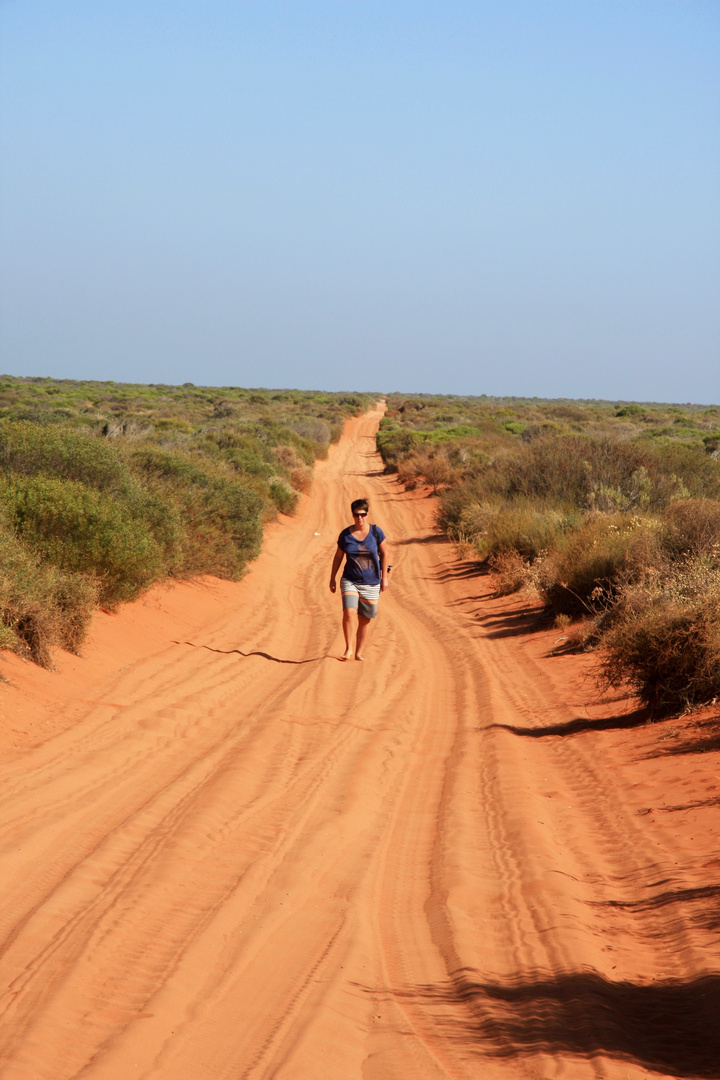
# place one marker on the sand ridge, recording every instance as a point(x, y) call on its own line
point(227, 854)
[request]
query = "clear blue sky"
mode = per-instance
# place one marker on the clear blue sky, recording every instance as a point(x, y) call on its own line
point(491, 197)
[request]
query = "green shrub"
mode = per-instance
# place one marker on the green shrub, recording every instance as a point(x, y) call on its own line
point(247, 461)
point(30, 449)
point(313, 430)
point(394, 445)
point(601, 473)
point(222, 515)
point(524, 529)
point(285, 498)
point(590, 565)
point(685, 471)
point(76, 528)
point(40, 606)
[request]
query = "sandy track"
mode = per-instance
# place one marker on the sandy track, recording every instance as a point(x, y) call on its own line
point(225, 854)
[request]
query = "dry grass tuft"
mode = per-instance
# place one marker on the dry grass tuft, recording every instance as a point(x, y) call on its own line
point(512, 573)
point(665, 640)
point(301, 478)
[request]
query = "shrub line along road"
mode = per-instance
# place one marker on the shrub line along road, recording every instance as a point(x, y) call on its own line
point(244, 858)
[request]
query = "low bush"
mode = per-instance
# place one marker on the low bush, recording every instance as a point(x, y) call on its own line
point(523, 528)
point(511, 571)
point(318, 433)
point(285, 498)
point(28, 449)
point(596, 473)
point(395, 445)
point(692, 527)
point(665, 641)
point(591, 564)
point(428, 466)
point(221, 514)
point(301, 479)
point(76, 528)
point(40, 606)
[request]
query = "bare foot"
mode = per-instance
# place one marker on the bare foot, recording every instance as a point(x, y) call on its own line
point(359, 657)
point(347, 655)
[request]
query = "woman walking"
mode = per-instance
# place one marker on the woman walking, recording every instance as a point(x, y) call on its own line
point(364, 576)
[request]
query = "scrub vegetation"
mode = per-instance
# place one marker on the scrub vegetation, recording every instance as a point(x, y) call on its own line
point(106, 488)
point(609, 511)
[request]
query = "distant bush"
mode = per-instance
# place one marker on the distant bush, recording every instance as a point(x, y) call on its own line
point(430, 466)
point(27, 449)
point(396, 445)
point(314, 430)
point(596, 473)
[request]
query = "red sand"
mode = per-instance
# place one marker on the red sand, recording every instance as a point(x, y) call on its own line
point(450, 861)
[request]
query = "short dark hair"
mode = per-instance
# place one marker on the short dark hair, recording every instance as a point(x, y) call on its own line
point(359, 504)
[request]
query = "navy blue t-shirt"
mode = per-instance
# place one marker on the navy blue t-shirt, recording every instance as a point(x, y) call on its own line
point(362, 562)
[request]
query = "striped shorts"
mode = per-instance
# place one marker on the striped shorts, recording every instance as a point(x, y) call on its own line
point(363, 597)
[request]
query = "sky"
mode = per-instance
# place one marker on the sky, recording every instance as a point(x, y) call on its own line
point(503, 198)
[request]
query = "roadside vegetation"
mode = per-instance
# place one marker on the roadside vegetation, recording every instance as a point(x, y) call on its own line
point(106, 488)
point(610, 512)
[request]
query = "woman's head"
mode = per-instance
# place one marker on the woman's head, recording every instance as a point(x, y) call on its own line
point(359, 508)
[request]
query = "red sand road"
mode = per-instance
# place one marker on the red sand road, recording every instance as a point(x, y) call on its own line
point(226, 854)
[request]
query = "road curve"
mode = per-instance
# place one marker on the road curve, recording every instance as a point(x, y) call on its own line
point(234, 856)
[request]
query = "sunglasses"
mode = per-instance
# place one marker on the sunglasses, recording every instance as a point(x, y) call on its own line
point(359, 513)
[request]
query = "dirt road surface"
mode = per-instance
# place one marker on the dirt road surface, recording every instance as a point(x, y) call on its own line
point(226, 854)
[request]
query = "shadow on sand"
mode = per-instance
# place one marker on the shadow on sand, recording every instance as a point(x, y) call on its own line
point(703, 740)
point(516, 623)
point(257, 652)
point(700, 906)
point(672, 1027)
point(461, 570)
point(573, 727)
point(429, 538)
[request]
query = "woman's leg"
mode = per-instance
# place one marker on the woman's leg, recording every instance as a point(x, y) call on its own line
point(347, 631)
point(350, 600)
point(363, 622)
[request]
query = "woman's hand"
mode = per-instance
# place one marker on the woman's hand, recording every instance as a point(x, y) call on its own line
point(384, 583)
point(333, 586)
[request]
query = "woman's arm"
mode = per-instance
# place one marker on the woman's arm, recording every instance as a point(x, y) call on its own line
point(337, 559)
point(384, 579)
